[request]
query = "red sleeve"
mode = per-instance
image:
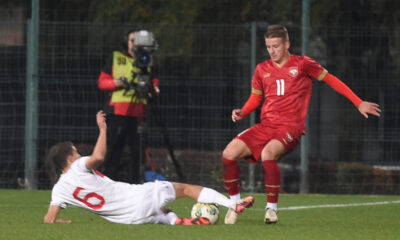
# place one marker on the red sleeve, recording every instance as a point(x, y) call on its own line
point(256, 82)
point(256, 93)
point(252, 103)
point(106, 82)
point(342, 88)
point(312, 68)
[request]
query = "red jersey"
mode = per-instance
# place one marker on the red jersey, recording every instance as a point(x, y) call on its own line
point(286, 89)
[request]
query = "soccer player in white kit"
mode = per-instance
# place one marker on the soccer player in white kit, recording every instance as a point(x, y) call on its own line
point(81, 185)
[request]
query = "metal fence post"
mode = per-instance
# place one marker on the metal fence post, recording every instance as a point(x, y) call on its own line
point(31, 106)
point(304, 145)
point(253, 48)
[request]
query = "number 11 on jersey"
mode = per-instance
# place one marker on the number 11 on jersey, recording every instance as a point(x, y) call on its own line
point(280, 87)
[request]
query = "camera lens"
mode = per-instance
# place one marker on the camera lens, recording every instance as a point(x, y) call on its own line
point(144, 59)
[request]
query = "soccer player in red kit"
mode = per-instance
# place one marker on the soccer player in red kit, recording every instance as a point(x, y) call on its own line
point(284, 81)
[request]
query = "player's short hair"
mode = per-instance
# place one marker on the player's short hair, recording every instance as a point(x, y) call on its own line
point(56, 159)
point(277, 31)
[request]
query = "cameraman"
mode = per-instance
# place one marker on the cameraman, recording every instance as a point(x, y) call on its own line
point(125, 111)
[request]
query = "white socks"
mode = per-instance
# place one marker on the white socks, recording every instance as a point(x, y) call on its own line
point(273, 206)
point(235, 197)
point(208, 195)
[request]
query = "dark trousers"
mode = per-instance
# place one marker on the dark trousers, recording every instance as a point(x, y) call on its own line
point(123, 131)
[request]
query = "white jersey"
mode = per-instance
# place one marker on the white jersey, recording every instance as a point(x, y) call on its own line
point(115, 201)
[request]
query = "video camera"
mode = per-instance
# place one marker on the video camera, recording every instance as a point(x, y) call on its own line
point(144, 45)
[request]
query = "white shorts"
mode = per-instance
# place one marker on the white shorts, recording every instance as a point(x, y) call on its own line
point(154, 196)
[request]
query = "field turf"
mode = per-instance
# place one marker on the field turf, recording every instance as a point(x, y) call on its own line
point(324, 217)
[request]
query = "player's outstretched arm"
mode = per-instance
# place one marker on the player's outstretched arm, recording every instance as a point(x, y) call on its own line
point(100, 148)
point(366, 108)
point(51, 216)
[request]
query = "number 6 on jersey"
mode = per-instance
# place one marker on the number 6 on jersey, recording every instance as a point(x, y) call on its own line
point(85, 200)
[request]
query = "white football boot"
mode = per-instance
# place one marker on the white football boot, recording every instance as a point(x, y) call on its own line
point(270, 216)
point(241, 205)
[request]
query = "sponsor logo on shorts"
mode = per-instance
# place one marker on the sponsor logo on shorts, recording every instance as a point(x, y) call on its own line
point(289, 137)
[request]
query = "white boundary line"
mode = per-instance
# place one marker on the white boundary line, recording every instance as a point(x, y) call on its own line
point(293, 207)
point(332, 206)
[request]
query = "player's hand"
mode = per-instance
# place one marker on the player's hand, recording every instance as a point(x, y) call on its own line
point(366, 108)
point(119, 83)
point(63, 221)
point(237, 114)
point(101, 120)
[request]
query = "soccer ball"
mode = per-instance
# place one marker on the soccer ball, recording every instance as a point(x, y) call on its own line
point(209, 211)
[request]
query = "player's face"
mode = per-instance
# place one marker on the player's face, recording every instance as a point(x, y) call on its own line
point(130, 43)
point(278, 49)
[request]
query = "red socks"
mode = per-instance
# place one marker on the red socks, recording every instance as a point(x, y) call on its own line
point(231, 176)
point(272, 179)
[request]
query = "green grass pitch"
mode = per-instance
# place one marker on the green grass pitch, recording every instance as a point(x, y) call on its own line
point(340, 217)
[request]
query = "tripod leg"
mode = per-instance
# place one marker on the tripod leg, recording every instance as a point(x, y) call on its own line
point(164, 132)
point(148, 160)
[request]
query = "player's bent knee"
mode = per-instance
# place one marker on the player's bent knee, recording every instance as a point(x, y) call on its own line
point(226, 154)
point(273, 150)
point(235, 150)
point(268, 155)
point(230, 153)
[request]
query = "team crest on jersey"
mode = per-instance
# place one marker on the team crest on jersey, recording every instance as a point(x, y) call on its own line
point(267, 75)
point(293, 71)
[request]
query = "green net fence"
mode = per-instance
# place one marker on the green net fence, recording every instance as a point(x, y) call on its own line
point(204, 73)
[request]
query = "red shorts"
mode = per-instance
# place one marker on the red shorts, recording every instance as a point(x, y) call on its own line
point(259, 135)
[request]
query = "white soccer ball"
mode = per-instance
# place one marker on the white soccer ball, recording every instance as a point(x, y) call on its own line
point(209, 211)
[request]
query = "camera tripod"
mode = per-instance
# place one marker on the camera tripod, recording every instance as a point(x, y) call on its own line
point(156, 112)
point(143, 93)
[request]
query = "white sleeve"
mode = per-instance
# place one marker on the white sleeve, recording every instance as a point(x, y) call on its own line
point(56, 198)
point(80, 164)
